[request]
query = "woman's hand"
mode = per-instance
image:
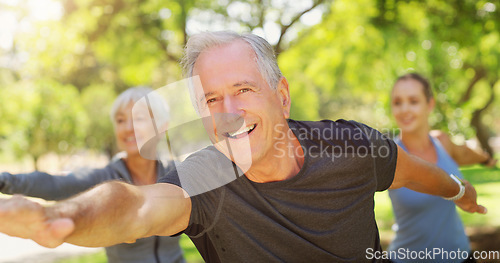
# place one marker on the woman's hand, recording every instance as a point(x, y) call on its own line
point(491, 162)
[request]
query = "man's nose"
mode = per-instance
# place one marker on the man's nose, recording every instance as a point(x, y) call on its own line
point(232, 116)
point(232, 105)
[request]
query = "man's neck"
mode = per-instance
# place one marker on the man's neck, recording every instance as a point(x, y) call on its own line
point(278, 167)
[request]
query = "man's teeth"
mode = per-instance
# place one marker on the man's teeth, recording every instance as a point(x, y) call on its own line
point(246, 129)
point(130, 139)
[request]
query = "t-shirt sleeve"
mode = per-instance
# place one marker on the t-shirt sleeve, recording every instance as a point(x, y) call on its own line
point(201, 175)
point(203, 207)
point(385, 154)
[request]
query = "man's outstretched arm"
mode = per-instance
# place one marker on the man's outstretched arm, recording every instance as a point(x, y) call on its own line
point(422, 176)
point(108, 214)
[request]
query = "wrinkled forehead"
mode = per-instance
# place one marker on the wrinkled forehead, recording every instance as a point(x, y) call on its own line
point(215, 64)
point(235, 52)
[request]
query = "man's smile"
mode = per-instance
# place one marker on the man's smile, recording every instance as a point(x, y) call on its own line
point(241, 133)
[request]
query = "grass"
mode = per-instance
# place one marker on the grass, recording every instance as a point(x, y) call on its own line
point(99, 257)
point(487, 182)
point(190, 252)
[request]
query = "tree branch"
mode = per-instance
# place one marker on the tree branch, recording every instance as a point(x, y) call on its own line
point(184, 16)
point(105, 20)
point(480, 73)
point(284, 28)
point(261, 14)
point(147, 29)
point(481, 130)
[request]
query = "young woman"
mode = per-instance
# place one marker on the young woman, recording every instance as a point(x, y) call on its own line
point(425, 221)
point(132, 168)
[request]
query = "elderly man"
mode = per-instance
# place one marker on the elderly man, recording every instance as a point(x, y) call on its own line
point(306, 190)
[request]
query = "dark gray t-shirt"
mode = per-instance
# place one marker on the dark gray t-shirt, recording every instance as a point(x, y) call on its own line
point(323, 214)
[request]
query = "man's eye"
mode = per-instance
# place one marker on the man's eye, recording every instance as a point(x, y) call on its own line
point(244, 90)
point(211, 100)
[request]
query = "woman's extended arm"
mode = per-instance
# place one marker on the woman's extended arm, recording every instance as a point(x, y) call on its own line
point(462, 154)
point(52, 187)
point(419, 175)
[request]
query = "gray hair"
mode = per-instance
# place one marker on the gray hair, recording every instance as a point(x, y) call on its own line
point(265, 56)
point(156, 103)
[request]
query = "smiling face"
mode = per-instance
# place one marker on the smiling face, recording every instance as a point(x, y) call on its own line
point(242, 106)
point(131, 128)
point(410, 106)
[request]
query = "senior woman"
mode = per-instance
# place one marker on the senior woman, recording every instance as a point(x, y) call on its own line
point(131, 129)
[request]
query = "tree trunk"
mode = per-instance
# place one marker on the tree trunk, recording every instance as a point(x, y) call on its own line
point(35, 162)
point(482, 131)
point(480, 73)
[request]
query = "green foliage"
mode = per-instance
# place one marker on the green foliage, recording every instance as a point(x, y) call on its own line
point(345, 66)
point(99, 135)
point(42, 116)
point(338, 63)
point(104, 47)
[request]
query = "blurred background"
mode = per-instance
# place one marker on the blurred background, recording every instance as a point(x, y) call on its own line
point(62, 63)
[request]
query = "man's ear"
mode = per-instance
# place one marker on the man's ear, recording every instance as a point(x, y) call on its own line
point(284, 96)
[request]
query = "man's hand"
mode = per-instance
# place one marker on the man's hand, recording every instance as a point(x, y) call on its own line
point(23, 218)
point(468, 202)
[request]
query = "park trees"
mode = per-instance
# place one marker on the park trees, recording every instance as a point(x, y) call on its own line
point(341, 57)
point(345, 66)
point(101, 47)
